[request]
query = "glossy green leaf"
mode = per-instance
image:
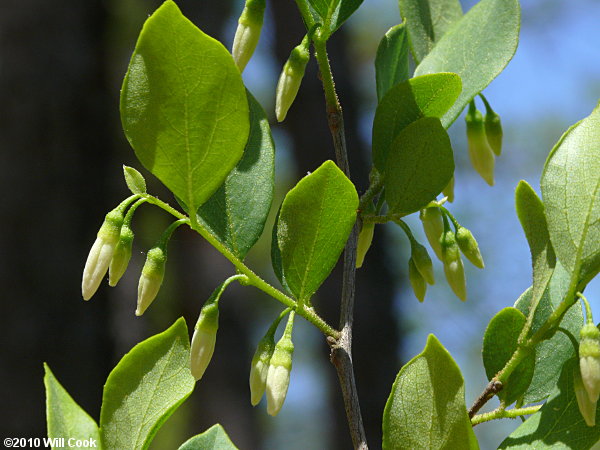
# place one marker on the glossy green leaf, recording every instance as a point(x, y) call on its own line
point(145, 388)
point(135, 181)
point(559, 423)
point(236, 213)
point(215, 438)
point(64, 417)
point(419, 166)
point(571, 193)
point(183, 106)
point(313, 226)
point(477, 47)
point(552, 353)
point(333, 12)
point(276, 256)
point(391, 61)
point(407, 102)
point(427, 21)
point(530, 211)
point(499, 344)
point(426, 408)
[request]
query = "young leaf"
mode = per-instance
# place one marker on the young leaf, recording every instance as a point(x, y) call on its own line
point(145, 388)
point(571, 193)
point(215, 438)
point(559, 423)
point(391, 61)
point(427, 21)
point(407, 102)
point(313, 226)
point(183, 106)
point(236, 213)
point(477, 47)
point(333, 13)
point(135, 181)
point(426, 408)
point(64, 417)
point(499, 344)
point(419, 166)
point(551, 354)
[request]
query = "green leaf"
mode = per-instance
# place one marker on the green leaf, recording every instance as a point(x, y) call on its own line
point(64, 417)
point(145, 388)
point(135, 181)
point(477, 47)
point(426, 408)
point(571, 193)
point(419, 166)
point(407, 102)
point(236, 213)
point(391, 61)
point(530, 211)
point(559, 423)
point(333, 13)
point(276, 255)
point(427, 22)
point(183, 106)
point(552, 353)
point(215, 438)
point(314, 223)
point(499, 344)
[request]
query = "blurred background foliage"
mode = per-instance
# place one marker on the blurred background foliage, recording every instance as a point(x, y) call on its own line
point(61, 150)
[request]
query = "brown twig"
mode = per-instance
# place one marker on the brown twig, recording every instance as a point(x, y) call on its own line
point(490, 390)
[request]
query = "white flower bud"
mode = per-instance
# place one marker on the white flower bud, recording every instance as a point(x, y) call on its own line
point(248, 32)
point(121, 256)
point(587, 407)
point(101, 253)
point(290, 80)
point(433, 227)
point(280, 366)
point(151, 279)
point(204, 338)
point(259, 368)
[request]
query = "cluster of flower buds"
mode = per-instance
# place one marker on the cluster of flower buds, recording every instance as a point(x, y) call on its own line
point(589, 367)
point(291, 78)
point(248, 32)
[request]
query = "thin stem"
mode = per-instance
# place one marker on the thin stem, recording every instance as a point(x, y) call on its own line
point(450, 216)
point(589, 318)
point(372, 218)
point(374, 189)
point(490, 390)
point(341, 349)
point(502, 413)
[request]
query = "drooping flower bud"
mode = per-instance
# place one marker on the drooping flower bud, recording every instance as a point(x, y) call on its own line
point(587, 407)
point(248, 32)
point(121, 256)
point(280, 366)
point(422, 262)
point(259, 367)
point(468, 245)
point(365, 238)
point(448, 191)
point(291, 78)
point(453, 265)
point(204, 338)
point(589, 360)
point(151, 279)
point(480, 153)
point(434, 227)
point(101, 253)
point(417, 281)
point(493, 131)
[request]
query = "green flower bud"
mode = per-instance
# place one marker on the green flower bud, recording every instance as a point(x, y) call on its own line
point(422, 262)
point(434, 227)
point(449, 190)
point(365, 238)
point(151, 279)
point(587, 407)
point(453, 265)
point(260, 367)
point(101, 253)
point(417, 281)
point(204, 338)
point(121, 256)
point(480, 153)
point(280, 366)
point(589, 360)
point(493, 131)
point(290, 79)
point(468, 245)
point(248, 32)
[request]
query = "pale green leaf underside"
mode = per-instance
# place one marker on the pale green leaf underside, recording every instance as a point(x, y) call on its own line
point(236, 213)
point(571, 193)
point(427, 21)
point(183, 106)
point(64, 417)
point(426, 408)
point(145, 388)
point(477, 47)
point(391, 61)
point(407, 102)
point(215, 438)
point(313, 226)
